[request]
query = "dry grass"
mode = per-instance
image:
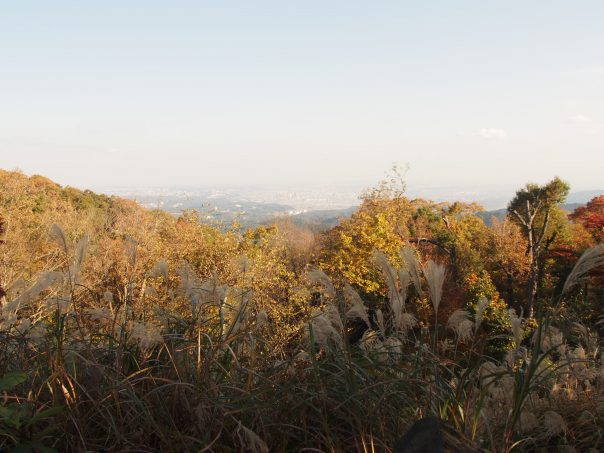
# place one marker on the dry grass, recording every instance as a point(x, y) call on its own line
point(117, 371)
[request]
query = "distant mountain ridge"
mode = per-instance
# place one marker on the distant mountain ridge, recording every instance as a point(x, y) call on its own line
point(249, 214)
point(573, 201)
point(328, 218)
point(500, 214)
point(323, 218)
point(222, 207)
point(583, 196)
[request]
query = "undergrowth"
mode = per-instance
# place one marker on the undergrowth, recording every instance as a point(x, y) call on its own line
point(120, 371)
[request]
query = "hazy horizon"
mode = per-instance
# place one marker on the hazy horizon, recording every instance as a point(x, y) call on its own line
point(470, 94)
point(332, 195)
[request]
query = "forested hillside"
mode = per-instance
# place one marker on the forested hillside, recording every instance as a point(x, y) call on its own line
point(134, 330)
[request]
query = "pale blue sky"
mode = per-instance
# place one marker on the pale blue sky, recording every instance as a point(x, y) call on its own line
point(469, 93)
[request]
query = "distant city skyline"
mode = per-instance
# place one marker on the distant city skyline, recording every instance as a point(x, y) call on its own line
point(310, 198)
point(471, 94)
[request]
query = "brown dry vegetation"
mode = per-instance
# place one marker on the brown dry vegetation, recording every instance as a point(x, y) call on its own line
point(130, 330)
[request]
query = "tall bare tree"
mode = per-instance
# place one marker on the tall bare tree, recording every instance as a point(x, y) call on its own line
point(532, 209)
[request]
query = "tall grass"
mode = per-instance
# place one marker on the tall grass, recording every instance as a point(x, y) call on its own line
point(118, 371)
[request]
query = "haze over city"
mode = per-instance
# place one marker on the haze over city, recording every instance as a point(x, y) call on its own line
point(311, 94)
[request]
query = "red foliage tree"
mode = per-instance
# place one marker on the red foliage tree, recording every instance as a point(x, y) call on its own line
point(591, 216)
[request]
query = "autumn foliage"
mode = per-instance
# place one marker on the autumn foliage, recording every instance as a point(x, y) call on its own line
point(125, 329)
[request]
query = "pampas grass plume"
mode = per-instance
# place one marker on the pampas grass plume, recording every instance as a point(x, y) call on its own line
point(413, 267)
point(435, 276)
point(318, 277)
point(357, 308)
point(483, 302)
point(590, 259)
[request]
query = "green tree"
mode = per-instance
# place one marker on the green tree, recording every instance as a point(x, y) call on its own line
point(534, 208)
point(458, 233)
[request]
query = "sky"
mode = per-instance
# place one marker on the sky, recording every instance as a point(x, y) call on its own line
point(157, 93)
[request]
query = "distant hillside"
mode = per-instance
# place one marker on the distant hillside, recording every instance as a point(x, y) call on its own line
point(47, 201)
point(582, 197)
point(46, 195)
point(40, 194)
point(328, 218)
point(501, 213)
point(323, 219)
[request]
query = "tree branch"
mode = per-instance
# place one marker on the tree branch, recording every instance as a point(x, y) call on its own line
point(431, 241)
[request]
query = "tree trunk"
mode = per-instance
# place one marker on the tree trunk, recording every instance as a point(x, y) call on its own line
point(532, 289)
point(510, 289)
